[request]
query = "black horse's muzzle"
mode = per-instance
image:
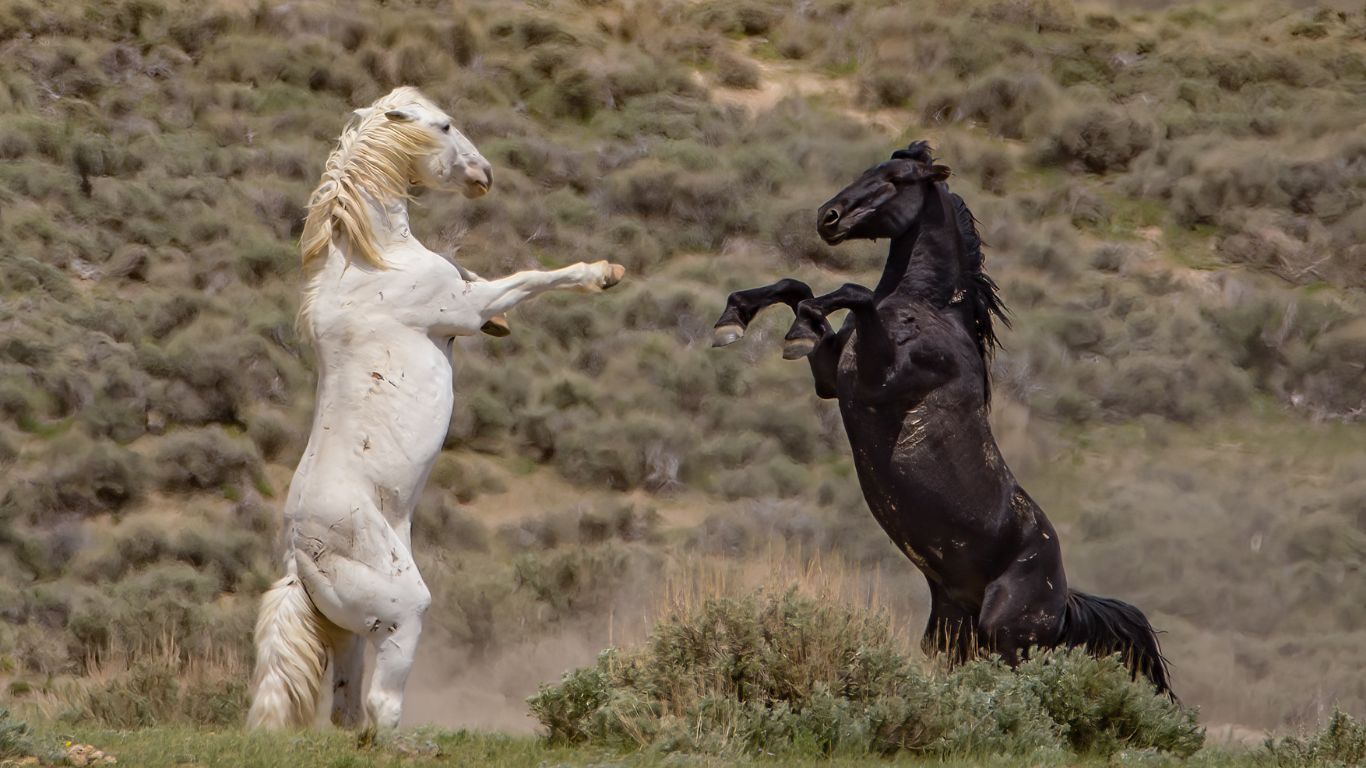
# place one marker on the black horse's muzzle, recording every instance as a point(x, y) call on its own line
point(829, 223)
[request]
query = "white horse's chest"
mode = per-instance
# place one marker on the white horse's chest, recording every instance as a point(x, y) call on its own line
point(404, 409)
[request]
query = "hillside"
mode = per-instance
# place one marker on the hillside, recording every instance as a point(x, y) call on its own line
point(1172, 200)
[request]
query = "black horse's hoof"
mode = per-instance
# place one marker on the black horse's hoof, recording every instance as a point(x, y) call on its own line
point(726, 334)
point(796, 349)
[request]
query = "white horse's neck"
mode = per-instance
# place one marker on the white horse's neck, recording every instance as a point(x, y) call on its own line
point(389, 222)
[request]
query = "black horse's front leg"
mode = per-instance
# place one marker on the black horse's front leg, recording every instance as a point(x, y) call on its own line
point(877, 354)
point(825, 360)
point(742, 306)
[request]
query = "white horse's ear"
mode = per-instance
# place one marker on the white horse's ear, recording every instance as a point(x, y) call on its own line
point(400, 115)
point(363, 112)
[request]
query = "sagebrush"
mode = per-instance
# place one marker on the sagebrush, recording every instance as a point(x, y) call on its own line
point(782, 673)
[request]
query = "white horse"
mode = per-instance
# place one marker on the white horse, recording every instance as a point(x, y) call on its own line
point(382, 312)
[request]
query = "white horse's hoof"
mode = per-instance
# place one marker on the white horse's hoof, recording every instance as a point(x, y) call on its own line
point(497, 326)
point(795, 349)
point(726, 334)
point(615, 272)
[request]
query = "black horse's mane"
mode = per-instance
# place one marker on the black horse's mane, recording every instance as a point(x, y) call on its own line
point(979, 292)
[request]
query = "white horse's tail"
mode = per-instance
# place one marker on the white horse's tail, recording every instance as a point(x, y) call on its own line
point(291, 657)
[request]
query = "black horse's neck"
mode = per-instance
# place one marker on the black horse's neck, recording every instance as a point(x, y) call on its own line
point(925, 261)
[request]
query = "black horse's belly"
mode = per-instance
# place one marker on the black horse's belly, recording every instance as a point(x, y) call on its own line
point(937, 488)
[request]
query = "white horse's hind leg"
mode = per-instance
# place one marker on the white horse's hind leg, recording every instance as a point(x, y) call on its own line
point(393, 661)
point(348, 669)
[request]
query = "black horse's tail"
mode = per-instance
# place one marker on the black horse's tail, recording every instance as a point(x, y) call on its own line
point(1106, 626)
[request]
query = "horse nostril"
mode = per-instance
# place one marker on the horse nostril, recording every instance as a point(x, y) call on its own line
point(832, 217)
point(479, 175)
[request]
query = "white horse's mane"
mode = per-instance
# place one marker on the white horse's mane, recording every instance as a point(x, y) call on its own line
point(373, 159)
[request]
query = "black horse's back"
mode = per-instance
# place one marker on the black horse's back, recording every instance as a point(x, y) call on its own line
point(1105, 626)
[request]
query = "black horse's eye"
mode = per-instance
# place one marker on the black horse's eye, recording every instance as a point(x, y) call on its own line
point(446, 128)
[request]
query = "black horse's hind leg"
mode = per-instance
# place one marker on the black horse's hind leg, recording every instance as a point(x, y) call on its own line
point(951, 630)
point(1023, 607)
point(742, 306)
point(877, 354)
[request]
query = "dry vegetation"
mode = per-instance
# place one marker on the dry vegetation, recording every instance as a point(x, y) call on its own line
point(1173, 200)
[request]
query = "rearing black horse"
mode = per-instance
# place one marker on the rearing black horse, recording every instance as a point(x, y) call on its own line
point(910, 369)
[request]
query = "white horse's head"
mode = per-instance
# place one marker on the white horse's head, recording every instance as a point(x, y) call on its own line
point(455, 164)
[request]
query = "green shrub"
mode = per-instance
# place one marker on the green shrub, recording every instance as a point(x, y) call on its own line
point(118, 408)
point(1099, 711)
point(1004, 102)
point(1099, 138)
point(82, 479)
point(1341, 742)
point(8, 450)
point(157, 693)
point(708, 201)
point(888, 86)
point(166, 608)
point(581, 581)
point(18, 742)
point(611, 452)
point(204, 459)
point(209, 374)
point(580, 526)
point(466, 479)
point(735, 72)
point(275, 435)
point(746, 17)
point(784, 674)
point(450, 527)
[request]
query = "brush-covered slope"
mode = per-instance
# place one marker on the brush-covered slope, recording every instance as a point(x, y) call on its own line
point(1172, 200)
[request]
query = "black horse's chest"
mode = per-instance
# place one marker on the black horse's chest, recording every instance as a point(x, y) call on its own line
point(905, 323)
point(918, 364)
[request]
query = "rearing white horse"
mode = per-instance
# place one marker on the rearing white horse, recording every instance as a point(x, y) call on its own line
point(383, 312)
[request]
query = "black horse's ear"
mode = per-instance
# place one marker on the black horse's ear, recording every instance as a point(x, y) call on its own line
point(918, 151)
point(919, 173)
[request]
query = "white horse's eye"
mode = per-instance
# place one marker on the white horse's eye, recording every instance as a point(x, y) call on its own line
point(446, 128)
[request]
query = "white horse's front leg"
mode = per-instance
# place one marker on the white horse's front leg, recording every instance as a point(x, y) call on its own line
point(498, 296)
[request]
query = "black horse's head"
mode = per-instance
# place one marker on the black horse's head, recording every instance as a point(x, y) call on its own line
point(885, 200)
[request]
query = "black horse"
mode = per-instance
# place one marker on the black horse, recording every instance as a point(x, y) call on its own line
point(910, 369)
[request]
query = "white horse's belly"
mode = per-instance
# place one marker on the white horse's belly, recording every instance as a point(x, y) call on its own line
point(382, 415)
